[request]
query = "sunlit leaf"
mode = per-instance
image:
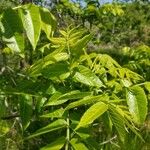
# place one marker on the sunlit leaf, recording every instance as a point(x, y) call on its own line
point(87, 100)
point(137, 103)
point(54, 114)
point(92, 113)
point(58, 98)
point(87, 77)
point(30, 16)
point(147, 86)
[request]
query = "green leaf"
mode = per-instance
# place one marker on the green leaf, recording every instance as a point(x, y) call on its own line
point(39, 104)
point(147, 86)
point(30, 16)
point(56, 145)
point(12, 30)
point(58, 41)
point(137, 103)
point(87, 77)
point(118, 121)
point(58, 124)
point(87, 100)
point(107, 122)
point(80, 44)
point(74, 95)
point(48, 22)
point(58, 99)
point(54, 114)
point(92, 143)
point(26, 110)
point(38, 66)
point(127, 120)
point(77, 145)
point(92, 113)
point(56, 71)
point(134, 130)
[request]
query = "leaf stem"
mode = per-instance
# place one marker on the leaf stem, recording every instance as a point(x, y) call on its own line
point(67, 134)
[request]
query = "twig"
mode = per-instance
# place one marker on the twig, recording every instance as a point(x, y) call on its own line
point(10, 116)
point(108, 141)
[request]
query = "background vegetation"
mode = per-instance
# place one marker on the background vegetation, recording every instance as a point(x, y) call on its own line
point(74, 75)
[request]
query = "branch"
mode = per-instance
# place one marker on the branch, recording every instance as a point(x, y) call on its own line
point(108, 141)
point(10, 116)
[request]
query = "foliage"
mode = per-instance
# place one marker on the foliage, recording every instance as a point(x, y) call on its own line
point(57, 95)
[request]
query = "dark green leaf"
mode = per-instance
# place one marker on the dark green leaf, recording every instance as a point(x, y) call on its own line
point(12, 30)
point(48, 22)
point(118, 121)
point(56, 145)
point(58, 124)
point(56, 71)
point(77, 145)
point(26, 110)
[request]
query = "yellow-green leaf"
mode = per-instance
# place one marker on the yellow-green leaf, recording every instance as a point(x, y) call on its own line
point(30, 16)
point(92, 113)
point(137, 103)
point(77, 145)
point(56, 145)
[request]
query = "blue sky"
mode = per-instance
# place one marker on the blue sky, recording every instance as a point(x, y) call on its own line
point(105, 1)
point(101, 1)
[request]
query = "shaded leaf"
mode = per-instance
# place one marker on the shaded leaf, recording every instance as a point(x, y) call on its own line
point(26, 110)
point(39, 65)
point(4, 128)
point(55, 71)
point(58, 124)
point(48, 22)
point(77, 145)
point(118, 121)
point(56, 145)
point(12, 29)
